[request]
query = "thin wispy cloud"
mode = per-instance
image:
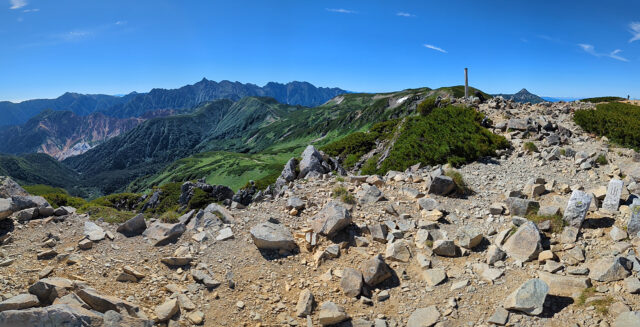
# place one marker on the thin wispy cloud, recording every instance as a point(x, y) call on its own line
point(77, 35)
point(340, 10)
point(433, 47)
point(590, 49)
point(31, 10)
point(634, 28)
point(405, 14)
point(17, 4)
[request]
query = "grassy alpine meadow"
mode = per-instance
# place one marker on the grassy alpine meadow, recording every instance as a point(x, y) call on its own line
point(602, 99)
point(617, 121)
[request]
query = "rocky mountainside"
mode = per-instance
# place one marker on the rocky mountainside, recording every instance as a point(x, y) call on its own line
point(547, 237)
point(181, 99)
point(62, 134)
point(522, 96)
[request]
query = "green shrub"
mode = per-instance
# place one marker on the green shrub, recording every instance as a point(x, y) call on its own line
point(41, 189)
point(58, 200)
point(200, 199)
point(602, 160)
point(170, 217)
point(452, 134)
point(461, 186)
point(108, 214)
point(557, 223)
point(617, 121)
point(530, 147)
point(602, 99)
point(168, 200)
point(425, 107)
point(340, 192)
point(120, 201)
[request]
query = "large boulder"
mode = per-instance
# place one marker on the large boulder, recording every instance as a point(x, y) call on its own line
point(6, 208)
point(525, 244)
point(633, 226)
point(331, 219)
point(161, 234)
point(441, 185)
point(311, 162)
point(610, 269)
point(331, 314)
point(612, 199)
point(375, 271)
point(528, 298)
point(104, 303)
point(93, 232)
point(9, 188)
point(521, 207)
point(577, 208)
point(369, 194)
point(270, 236)
point(54, 315)
point(49, 289)
point(29, 201)
point(19, 302)
point(134, 226)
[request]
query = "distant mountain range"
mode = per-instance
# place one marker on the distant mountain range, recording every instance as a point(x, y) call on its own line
point(522, 96)
point(186, 97)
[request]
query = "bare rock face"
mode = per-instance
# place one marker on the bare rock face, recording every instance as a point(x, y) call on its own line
point(331, 314)
point(528, 298)
point(161, 234)
point(48, 289)
point(610, 269)
point(272, 236)
point(351, 282)
point(311, 162)
point(134, 226)
point(6, 208)
point(54, 315)
point(331, 219)
point(577, 209)
point(9, 188)
point(525, 244)
point(424, 317)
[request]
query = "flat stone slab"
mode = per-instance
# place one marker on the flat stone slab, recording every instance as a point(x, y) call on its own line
point(612, 199)
point(577, 209)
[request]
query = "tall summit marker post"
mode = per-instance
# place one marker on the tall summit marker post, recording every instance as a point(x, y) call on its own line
point(466, 83)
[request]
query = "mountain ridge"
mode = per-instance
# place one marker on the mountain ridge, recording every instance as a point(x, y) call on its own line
point(522, 96)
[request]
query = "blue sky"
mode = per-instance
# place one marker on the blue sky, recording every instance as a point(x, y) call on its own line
point(552, 48)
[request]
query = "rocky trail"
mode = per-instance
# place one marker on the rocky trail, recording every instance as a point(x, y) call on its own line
point(548, 237)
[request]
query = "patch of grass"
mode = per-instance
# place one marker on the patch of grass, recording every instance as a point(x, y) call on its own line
point(170, 217)
point(340, 192)
point(563, 152)
point(513, 230)
point(617, 121)
point(530, 147)
point(340, 179)
point(602, 99)
point(169, 198)
point(56, 196)
point(601, 305)
point(461, 186)
point(425, 107)
point(41, 189)
point(108, 214)
point(120, 201)
point(602, 160)
point(200, 199)
point(557, 223)
point(428, 243)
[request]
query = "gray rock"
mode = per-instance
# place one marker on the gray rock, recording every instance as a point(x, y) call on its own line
point(487, 273)
point(73, 300)
point(64, 210)
point(331, 314)
point(29, 201)
point(311, 162)
point(132, 227)
point(48, 289)
point(272, 236)
point(518, 124)
point(617, 234)
point(548, 211)
point(295, 203)
point(220, 212)
point(176, 261)
point(289, 171)
point(378, 232)
point(628, 319)
point(525, 244)
point(304, 307)
point(204, 278)
point(528, 298)
point(424, 317)
point(104, 303)
point(351, 282)
point(564, 285)
point(499, 317)
point(375, 271)
point(19, 302)
point(469, 237)
point(44, 212)
point(521, 207)
point(167, 310)
point(93, 232)
point(633, 227)
point(428, 204)
point(612, 199)
point(577, 209)
point(225, 234)
point(54, 315)
point(9, 188)
point(26, 214)
point(441, 185)
point(398, 251)
point(6, 208)
point(610, 269)
point(434, 276)
point(369, 194)
point(115, 319)
point(331, 219)
point(632, 285)
point(160, 233)
point(494, 254)
point(445, 248)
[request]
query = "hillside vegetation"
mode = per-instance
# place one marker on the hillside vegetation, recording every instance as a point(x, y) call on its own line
point(452, 134)
point(602, 99)
point(617, 121)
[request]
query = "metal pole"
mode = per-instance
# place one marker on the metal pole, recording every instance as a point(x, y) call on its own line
point(466, 83)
